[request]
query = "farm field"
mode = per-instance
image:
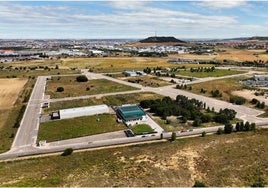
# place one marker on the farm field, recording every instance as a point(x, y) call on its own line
point(116, 100)
point(237, 159)
point(120, 64)
point(229, 54)
point(9, 91)
point(215, 73)
point(73, 88)
point(77, 127)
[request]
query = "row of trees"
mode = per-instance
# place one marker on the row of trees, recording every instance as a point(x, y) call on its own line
point(257, 103)
point(202, 69)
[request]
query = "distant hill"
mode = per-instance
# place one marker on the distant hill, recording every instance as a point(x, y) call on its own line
point(161, 40)
point(258, 38)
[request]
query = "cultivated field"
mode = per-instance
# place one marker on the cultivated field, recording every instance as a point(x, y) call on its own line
point(9, 91)
point(237, 160)
point(73, 88)
point(229, 54)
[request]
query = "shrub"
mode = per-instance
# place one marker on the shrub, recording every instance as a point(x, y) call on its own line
point(219, 131)
point(67, 151)
point(81, 78)
point(173, 136)
point(60, 89)
point(199, 184)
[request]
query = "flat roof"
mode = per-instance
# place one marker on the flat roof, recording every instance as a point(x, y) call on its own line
point(129, 112)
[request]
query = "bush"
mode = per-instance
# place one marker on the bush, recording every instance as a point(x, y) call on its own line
point(81, 78)
point(203, 134)
point(220, 131)
point(237, 100)
point(199, 184)
point(173, 136)
point(228, 128)
point(60, 89)
point(67, 151)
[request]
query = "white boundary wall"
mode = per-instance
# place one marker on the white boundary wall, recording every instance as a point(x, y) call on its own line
point(83, 111)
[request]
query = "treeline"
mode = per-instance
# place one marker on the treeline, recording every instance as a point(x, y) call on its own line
point(202, 69)
point(188, 109)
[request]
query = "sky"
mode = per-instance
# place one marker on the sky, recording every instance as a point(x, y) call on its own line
point(132, 19)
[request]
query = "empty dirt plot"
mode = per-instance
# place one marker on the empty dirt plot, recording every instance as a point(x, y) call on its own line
point(116, 64)
point(9, 91)
point(72, 88)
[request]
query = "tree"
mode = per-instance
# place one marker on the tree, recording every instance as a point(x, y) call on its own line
point(81, 78)
point(199, 184)
point(173, 136)
point(60, 89)
point(247, 126)
point(253, 126)
point(67, 151)
point(203, 134)
point(197, 122)
point(228, 128)
point(237, 127)
point(219, 131)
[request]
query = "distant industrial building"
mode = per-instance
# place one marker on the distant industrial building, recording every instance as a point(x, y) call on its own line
point(257, 81)
point(131, 114)
point(134, 73)
point(78, 112)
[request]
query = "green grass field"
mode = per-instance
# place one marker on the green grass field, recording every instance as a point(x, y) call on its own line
point(73, 88)
point(77, 127)
point(141, 128)
point(216, 73)
point(236, 160)
point(115, 100)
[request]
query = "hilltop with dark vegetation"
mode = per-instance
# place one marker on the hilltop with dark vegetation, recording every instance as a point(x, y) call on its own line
point(156, 39)
point(258, 38)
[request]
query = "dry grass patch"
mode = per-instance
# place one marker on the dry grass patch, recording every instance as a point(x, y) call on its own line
point(238, 159)
point(225, 86)
point(116, 64)
point(73, 88)
point(9, 91)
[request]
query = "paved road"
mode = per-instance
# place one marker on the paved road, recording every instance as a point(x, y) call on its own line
point(28, 130)
point(24, 142)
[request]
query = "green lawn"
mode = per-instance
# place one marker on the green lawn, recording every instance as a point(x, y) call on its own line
point(77, 127)
point(141, 128)
point(216, 73)
point(73, 88)
point(116, 100)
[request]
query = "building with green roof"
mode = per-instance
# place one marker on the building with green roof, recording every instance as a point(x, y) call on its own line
point(130, 114)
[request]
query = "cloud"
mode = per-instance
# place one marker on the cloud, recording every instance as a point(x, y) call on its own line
point(123, 20)
point(220, 4)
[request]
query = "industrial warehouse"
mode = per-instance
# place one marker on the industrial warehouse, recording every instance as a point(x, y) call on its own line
point(131, 114)
point(78, 112)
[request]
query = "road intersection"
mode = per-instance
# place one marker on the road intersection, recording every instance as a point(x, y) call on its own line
point(25, 140)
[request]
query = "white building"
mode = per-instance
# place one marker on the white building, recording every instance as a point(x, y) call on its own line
point(83, 111)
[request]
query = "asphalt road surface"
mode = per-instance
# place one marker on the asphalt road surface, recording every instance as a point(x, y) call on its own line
point(28, 130)
point(25, 141)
